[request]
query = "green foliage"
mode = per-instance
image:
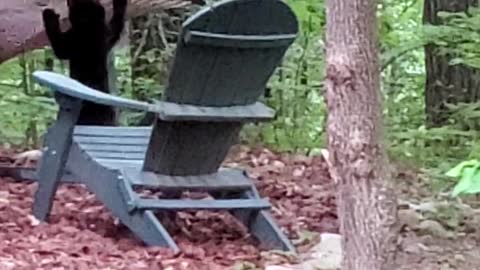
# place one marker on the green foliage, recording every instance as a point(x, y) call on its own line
point(458, 36)
point(468, 173)
point(27, 108)
point(441, 148)
point(296, 87)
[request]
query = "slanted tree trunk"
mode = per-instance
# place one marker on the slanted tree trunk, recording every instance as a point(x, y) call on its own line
point(446, 83)
point(357, 158)
point(21, 27)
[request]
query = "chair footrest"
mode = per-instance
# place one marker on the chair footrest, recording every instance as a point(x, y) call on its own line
point(176, 204)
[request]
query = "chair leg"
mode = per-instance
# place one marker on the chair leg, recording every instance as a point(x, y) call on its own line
point(58, 141)
point(262, 225)
point(111, 188)
point(145, 225)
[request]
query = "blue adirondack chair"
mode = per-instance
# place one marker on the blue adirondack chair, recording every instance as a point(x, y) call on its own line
point(225, 55)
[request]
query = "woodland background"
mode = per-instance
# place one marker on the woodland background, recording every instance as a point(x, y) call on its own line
point(141, 62)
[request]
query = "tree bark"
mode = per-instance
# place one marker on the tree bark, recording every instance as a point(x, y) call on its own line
point(21, 27)
point(357, 159)
point(446, 83)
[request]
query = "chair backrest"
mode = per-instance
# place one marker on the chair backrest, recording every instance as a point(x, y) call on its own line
point(225, 56)
point(214, 66)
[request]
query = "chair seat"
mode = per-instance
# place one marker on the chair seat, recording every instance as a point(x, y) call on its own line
point(114, 147)
point(124, 148)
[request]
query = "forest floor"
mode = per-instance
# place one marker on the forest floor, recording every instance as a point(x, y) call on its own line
point(82, 234)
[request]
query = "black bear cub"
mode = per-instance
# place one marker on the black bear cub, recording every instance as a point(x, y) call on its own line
point(86, 46)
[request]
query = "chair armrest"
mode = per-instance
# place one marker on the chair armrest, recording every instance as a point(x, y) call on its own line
point(166, 111)
point(70, 87)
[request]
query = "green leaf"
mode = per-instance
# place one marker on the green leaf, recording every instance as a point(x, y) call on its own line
point(469, 174)
point(456, 61)
point(457, 171)
point(464, 183)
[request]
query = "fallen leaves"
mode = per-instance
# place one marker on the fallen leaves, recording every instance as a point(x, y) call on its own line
point(299, 187)
point(82, 233)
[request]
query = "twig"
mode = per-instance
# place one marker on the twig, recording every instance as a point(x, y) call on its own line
point(161, 32)
point(392, 59)
point(143, 39)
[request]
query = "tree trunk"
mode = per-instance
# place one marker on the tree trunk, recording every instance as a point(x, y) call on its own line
point(357, 157)
point(446, 83)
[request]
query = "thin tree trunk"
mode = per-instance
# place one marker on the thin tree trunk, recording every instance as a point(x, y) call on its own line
point(446, 83)
point(357, 157)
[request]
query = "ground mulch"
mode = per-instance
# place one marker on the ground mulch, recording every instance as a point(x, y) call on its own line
point(82, 233)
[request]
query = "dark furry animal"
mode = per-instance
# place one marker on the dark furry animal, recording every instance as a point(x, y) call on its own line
point(86, 46)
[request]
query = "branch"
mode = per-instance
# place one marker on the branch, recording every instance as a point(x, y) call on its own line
point(388, 59)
